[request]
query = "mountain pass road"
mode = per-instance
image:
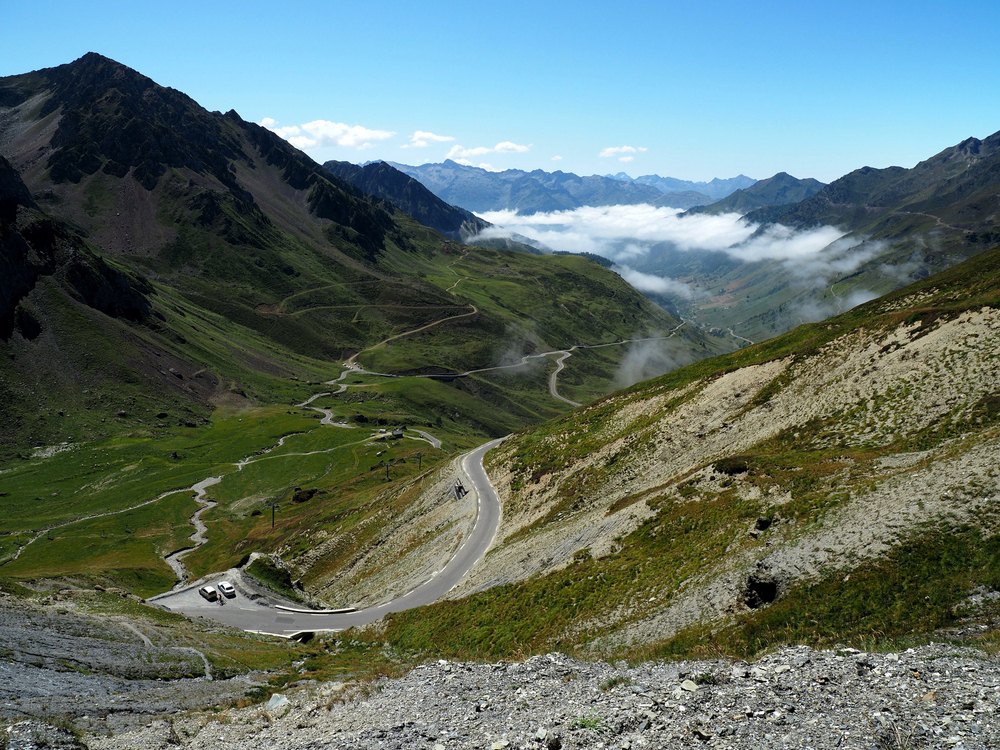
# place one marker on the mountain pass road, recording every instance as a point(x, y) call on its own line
point(261, 615)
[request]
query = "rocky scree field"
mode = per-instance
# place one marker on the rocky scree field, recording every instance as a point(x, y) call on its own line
point(933, 696)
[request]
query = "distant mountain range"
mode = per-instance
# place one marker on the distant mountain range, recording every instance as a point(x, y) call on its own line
point(383, 180)
point(714, 190)
point(684, 199)
point(538, 191)
point(780, 190)
point(953, 193)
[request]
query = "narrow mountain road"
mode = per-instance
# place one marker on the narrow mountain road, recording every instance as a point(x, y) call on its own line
point(564, 354)
point(200, 530)
point(252, 616)
point(560, 365)
point(353, 358)
point(560, 362)
point(435, 442)
point(739, 338)
point(198, 488)
point(938, 221)
point(460, 277)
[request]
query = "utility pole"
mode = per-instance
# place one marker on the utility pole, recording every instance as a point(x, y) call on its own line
point(420, 457)
point(386, 464)
point(274, 506)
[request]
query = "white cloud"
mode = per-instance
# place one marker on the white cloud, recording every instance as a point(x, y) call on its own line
point(815, 310)
point(460, 152)
point(285, 132)
point(599, 227)
point(510, 148)
point(320, 133)
point(647, 282)
point(481, 165)
point(649, 358)
point(457, 153)
point(615, 150)
point(556, 158)
point(625, 158)
point(628, 234)
point(422, 139)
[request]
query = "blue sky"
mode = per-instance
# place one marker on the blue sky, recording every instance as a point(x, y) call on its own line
point(695, 89)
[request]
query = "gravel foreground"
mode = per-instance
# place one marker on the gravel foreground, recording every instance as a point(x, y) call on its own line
point(936, 696)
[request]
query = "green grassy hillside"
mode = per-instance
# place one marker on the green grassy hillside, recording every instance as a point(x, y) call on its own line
point(170, 271)
point(257, 266)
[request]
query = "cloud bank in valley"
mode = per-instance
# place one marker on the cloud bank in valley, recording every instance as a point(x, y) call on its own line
point(649, 283)
point(626, 234)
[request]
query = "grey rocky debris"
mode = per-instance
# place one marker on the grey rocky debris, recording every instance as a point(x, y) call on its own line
point(34, 734)
point(99, 674)
point(938, 696)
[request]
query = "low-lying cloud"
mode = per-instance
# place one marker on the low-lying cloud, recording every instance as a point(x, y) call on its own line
point(597, 228)
point(648, 283)
point(651, 358)
point(814, 310)
point(627, 234)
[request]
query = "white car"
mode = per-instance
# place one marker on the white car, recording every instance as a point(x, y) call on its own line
point(228, 589)
point(209, 593)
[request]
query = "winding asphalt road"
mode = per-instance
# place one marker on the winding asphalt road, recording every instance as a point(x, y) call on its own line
point(260, 616)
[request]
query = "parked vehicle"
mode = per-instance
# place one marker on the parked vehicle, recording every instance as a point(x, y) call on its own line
point(209, 593)
point(228, 589)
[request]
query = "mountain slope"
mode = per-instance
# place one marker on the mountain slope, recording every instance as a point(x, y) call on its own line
point(956, 190)
point(835, 484)
point(409, 196)
point(266, 267)
point(780, 190)
point(53, 287)
point(894, 226)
